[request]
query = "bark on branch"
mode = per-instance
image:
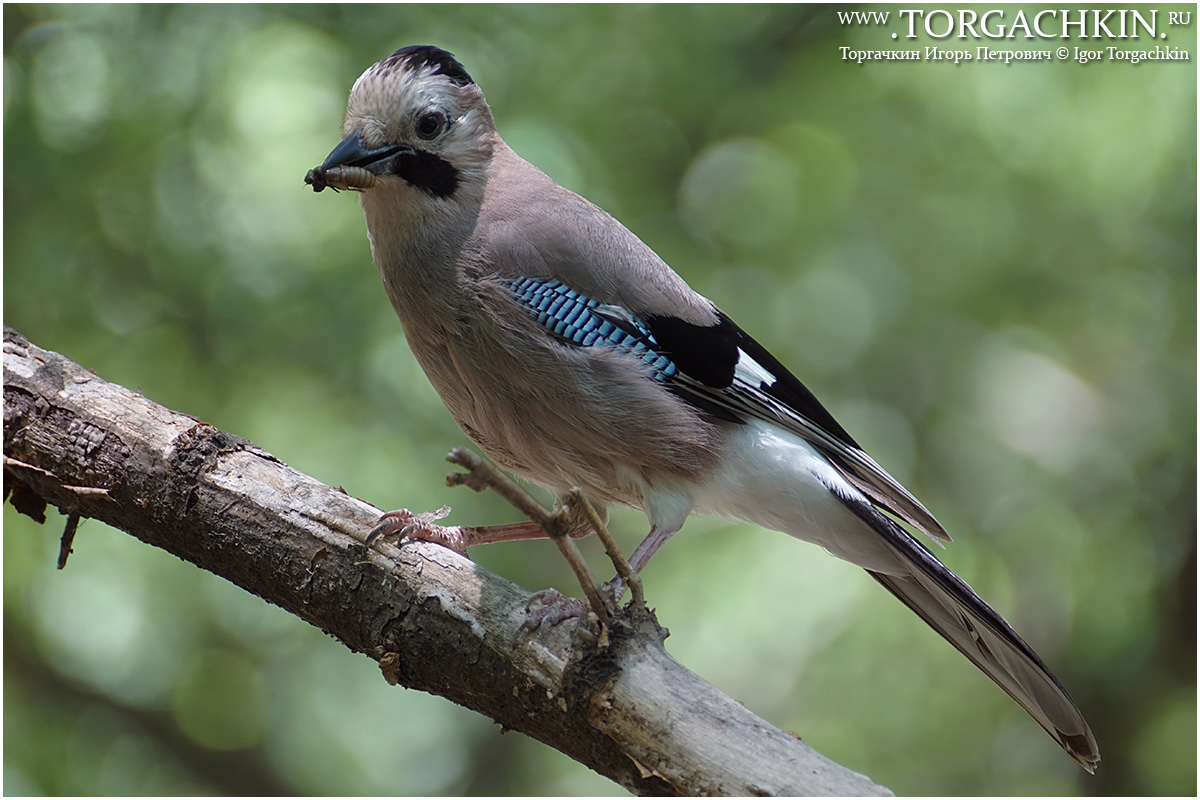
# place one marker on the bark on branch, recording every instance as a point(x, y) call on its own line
point(433, 620)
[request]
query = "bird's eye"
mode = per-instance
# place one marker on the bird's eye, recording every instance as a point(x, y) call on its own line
point(431, 124)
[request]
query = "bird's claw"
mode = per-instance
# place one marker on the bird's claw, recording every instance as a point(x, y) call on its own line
point(405, 524)
point(550, 607)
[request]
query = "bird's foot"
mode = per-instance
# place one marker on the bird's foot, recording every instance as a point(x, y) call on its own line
point(405, 524)
point(550, 607)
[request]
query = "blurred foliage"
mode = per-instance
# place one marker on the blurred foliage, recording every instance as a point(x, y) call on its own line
point(987, 272)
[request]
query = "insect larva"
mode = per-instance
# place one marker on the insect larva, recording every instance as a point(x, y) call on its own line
point(355, 178)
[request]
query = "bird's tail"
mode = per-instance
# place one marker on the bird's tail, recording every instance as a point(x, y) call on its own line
point(953, 609)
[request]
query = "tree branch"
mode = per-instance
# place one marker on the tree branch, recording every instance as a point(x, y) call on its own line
point(433, 620)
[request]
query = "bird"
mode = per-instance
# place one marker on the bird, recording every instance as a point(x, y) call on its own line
point(575, 357)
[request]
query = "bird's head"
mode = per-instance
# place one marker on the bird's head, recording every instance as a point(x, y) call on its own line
point(416, 119)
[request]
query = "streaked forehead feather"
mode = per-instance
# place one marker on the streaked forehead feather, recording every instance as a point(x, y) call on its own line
point(427, 59)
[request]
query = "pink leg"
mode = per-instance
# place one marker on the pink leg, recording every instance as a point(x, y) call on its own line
point(407, 525)
point(549, 607)
point(641, 556)
point(649, 546)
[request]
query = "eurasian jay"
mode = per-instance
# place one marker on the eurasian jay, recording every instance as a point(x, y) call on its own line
point(572, 355)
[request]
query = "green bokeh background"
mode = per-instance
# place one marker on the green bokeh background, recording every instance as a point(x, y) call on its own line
point(986, 272)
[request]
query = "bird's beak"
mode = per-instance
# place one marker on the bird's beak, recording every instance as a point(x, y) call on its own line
point(353, 165)
point(352, 152)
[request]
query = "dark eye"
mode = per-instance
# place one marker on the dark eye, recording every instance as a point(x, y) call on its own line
point(431, 124)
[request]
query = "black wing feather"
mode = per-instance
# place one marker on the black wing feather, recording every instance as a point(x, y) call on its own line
point(720, 370)
point(707, 359)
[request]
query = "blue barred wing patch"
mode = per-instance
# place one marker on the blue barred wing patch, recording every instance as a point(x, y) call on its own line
point(586, 322)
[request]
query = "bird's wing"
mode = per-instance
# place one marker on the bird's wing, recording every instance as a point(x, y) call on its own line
point(720, 370)
point(545, 235)
point(723, 364)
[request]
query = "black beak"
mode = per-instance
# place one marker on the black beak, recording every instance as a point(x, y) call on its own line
point(353, 165)
point(353, 153)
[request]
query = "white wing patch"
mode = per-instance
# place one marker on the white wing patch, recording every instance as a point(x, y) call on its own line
point(749, 397)
point(751, 372)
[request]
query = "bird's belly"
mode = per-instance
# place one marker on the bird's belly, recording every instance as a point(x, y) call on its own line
point(567, 418)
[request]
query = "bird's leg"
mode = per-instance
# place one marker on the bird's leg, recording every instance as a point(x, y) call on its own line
point(404, 524)
point(640, 558)
point(649, 546)
point(553, 607)
point(561, 526)
point(583, 512)
point(549, 606)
